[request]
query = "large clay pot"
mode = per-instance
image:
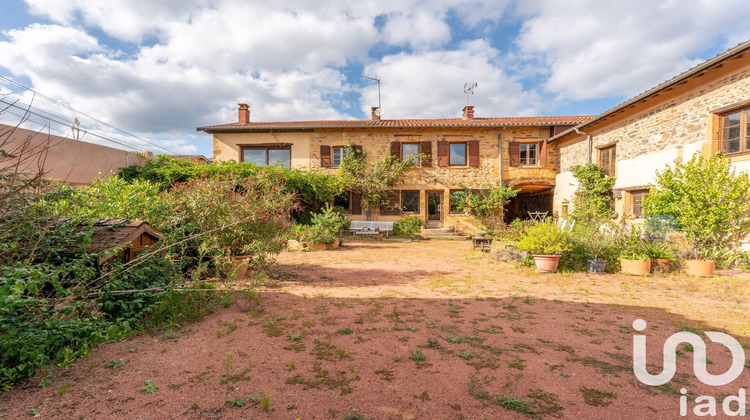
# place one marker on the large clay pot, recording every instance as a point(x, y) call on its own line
point(319, 246)
point(698, 268)
point(661, 265)
point(635, 267)
point(596, 266)
point(546, 263)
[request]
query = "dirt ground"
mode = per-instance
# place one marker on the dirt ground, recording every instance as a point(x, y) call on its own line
point(428, 330)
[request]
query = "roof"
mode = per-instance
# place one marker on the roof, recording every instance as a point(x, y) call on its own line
point(405, 123)
point(113, 233)
point(680, 78)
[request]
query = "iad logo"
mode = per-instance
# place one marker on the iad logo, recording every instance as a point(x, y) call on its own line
point(708, 403)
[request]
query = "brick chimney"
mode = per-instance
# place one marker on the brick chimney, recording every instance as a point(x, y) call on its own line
point(468, 112)
point(244, 114)
point(374, 116)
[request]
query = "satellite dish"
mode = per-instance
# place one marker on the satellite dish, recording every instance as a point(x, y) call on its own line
point(469, 88)
point(379, 111)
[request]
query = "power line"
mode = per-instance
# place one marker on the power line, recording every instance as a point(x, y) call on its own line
point(66, 106)
point(65, 124)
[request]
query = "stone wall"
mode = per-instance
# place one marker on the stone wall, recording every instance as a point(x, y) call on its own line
point(668, 132)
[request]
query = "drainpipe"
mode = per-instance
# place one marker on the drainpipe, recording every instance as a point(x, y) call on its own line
point(500, 154)
point(588, 142)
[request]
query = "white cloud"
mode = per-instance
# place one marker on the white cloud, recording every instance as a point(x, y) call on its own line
point(430, 84)
point(595, 49)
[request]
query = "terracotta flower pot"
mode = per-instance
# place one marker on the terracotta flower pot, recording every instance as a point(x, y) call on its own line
point(546, 263)
point(635, 267)
point(243, 262)
point(661, 265)
point(698, 268)
point(596, 266)
point(319, 246)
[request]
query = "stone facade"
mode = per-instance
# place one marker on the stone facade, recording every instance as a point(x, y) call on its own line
point(676, 124)
point(306, 149)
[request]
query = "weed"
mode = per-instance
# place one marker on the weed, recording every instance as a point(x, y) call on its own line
point(228, 365)
point(44, 383)
point(290, 366)
point(322, 378)
point(148, 387)
point(466, 356)
point(292, 337)
point(519, 330)
point(518, 363)
point(345, 331)
point(417, 356)
point(688, 347)
point(424, 396)
point(114, 364)
point(62, 389)
point(265, 402)
point(273, 330)
point(34, 412)
point(454, 339)
point(692, 330)
point(431, 344)
point(490, 331)
point(539, 402)
point(236, 402)
point(354, 416)
point(430, 324)
point(385, 374)
point(597, 398)
point(413, 329)
point(171, 335)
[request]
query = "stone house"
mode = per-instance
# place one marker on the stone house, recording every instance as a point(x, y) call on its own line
point(705, 109)
point(456, 152)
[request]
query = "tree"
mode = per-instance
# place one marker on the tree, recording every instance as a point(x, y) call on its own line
point(592, 199)
point(708, 197)
point(372, 181)
point(488, 206)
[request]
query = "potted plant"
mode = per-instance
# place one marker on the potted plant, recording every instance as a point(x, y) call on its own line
point(661, 256)
point(690, 256)
point(634, 259)
point(321, 234)
point(596, 243)
point(546, 242)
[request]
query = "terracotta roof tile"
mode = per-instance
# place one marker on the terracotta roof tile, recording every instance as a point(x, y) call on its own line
point(405, 123)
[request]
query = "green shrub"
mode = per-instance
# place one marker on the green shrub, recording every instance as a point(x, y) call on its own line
point(317, 234)
point(408, 226)
point(325, 225)
point(708, 197)
point(545, 238)
point(592, 198)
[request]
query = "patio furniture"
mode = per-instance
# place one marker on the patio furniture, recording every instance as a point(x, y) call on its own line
point(364, 227)
point(481, 242)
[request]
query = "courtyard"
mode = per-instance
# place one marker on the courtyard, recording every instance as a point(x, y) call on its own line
point(407, 330)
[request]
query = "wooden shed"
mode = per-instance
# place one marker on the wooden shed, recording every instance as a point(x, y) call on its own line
point(131, 237)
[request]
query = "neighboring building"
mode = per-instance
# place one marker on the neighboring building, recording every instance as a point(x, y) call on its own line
point(194, 159)
point(704, 109)
point(458, 152)
point(61, 159)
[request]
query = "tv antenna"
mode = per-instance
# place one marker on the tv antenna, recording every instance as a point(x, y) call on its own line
point(377, 79)
point(469, 90)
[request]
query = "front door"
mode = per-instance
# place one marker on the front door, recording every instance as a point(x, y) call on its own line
point(434, 209)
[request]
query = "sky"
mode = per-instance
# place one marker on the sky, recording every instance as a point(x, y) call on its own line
point(146, 73)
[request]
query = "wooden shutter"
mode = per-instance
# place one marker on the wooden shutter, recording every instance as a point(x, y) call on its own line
point(325, 156)
point(355, 203)
point(473, 152)
point(543, 152)
point(514, 153)
point(443, 158)
point(396, 149)
point(425, 149)
point(392, 207)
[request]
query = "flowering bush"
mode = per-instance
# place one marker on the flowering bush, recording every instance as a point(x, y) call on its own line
point(247, 216)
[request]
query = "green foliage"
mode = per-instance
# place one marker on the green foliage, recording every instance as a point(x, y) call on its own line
point(372, 181)
point(408, 226)
point(709, 199)
point(110, 198)
point(325, 225)
point(545, 238)
point(149, 387)
point(592, 199)
point(488, 206)
point(313, 190)
point(634, 246)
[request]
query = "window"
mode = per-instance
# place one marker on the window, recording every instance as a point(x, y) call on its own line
point(607, 160)
point(342, 201)
point(339, 153)
point(457, 153)
point(528, 152)
point(636, 202)
point(457, 201)
point(267, 156)
point(410, 149)
point(410, 201)
point(735, 132)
